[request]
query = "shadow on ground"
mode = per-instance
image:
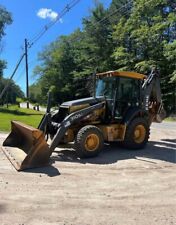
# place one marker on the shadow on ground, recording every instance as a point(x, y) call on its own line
point(2, 209)
point(172, 141)
point(50, 170)
point(165, 150)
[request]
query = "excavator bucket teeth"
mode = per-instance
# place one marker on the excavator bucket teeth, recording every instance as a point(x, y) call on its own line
point(26, 147)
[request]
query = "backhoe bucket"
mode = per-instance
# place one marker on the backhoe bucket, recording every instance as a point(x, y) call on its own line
point(26, 147)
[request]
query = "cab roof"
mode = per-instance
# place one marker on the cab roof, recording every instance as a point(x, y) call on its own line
point(133, 75)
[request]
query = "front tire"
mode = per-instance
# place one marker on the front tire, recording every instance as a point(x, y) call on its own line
point(89, 141)
point(137, 134)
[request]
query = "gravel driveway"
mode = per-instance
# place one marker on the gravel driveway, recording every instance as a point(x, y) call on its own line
point(119, 187)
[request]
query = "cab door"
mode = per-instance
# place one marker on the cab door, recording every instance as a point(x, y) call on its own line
point(128, 95)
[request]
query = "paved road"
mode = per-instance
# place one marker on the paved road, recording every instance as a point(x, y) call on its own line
point(119, 187)
point(165, 125)
point(24, 105)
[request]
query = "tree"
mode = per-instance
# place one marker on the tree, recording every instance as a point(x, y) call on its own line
point(57, 63)
point(13, 92)
point(129, 35)
point(146, 39)
point(5, 19)
point(98, 39)
point(69, 62)
point(35, 93)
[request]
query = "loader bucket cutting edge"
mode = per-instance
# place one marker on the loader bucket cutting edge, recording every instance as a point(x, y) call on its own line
point(26, 147)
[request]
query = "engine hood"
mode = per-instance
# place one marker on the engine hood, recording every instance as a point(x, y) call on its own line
point(90, 101)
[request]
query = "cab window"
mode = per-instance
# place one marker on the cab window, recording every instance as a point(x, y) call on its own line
point(106, 87)
point(129, 89)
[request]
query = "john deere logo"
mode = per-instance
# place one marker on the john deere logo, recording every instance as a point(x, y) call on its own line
point(77, 116)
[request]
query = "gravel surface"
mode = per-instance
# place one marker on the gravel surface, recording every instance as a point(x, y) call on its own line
point(119, 187)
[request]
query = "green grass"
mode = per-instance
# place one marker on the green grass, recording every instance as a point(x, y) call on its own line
point(27, 116)
point(170, 119)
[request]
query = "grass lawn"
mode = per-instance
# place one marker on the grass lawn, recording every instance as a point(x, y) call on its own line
point(170, 119)
point(27, 116)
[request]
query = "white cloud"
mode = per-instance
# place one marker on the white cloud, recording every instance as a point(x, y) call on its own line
point(47, 13)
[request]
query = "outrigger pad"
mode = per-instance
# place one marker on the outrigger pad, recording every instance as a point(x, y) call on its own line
point(26, 147)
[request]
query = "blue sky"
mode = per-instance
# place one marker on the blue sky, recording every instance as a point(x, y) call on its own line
point(26, 24)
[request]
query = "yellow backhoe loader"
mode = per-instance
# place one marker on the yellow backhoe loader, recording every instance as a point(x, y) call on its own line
point(122, 109)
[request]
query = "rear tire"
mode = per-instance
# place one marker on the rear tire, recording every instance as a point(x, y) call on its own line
point(89, 141)
point(137, 134)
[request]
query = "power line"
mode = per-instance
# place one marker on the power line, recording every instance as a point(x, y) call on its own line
point(67, 8)
point(104, 21)
point(20, 74)
point(114, 12)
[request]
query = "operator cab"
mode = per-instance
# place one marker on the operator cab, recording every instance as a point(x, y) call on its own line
point(121, 91)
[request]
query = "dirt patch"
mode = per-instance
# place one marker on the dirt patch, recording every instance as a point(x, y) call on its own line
point(117, 187)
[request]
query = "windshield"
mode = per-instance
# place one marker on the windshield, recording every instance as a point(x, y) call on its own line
point(106, 86)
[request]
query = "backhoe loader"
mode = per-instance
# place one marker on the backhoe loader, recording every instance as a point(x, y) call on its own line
point(122, 109)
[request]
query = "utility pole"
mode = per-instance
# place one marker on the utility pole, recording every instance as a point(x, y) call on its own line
point(27, 75)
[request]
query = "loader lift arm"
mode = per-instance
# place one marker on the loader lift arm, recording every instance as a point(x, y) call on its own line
point(69, 120)
point(26, 147)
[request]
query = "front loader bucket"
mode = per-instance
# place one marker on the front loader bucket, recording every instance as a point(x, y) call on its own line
point(26, 147)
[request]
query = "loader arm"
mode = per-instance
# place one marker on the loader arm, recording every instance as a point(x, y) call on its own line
point(152, 101)
point(26, 146)
point(69, 120)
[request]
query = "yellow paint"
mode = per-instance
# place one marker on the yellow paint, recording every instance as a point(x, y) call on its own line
point(113, 132)
point(78, 107)
point(128, 74)
point(139, 134)
point(92, 142)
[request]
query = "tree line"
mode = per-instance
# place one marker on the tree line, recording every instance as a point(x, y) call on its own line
point(14, 91)
point(126, 36)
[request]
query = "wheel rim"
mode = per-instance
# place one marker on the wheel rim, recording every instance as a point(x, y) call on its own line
point(139, 134)
point(92, 142)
